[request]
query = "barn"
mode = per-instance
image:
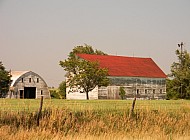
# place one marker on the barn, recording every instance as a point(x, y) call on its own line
point(137, 76)
point(27, 85)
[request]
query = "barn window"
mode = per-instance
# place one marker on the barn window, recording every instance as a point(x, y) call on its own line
point(160, 91)
point(146, 91)
point(41, 92)
point(137, 91)
point(37, 80)
point(153, 91)
point(29, 80)
point(22, 80)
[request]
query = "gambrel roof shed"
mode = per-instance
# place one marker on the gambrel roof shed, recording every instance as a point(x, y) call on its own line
point(126, 66)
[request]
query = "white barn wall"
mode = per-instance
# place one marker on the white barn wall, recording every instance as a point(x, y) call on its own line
point(76, 94)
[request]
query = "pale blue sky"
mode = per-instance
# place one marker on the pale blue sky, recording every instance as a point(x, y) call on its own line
point(36, 34)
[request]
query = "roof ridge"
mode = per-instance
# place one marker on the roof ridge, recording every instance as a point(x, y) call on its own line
point(114, 56)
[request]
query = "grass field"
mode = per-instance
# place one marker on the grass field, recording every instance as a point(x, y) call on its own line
point(32, 105)
point(95, 119)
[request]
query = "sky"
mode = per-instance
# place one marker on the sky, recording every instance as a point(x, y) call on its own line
point(36, 34)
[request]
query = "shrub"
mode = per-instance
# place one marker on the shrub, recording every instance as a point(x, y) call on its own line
point(122, 92)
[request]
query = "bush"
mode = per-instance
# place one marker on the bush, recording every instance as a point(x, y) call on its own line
point(54, 94)
point(62, 90)
point(122, 92)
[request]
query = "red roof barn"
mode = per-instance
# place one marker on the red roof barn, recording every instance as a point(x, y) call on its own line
point(137, 76)
point(127, 66)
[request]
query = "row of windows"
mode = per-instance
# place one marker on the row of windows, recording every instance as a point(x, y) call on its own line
point(153, 91)
point(137, 81)
point(30, 80)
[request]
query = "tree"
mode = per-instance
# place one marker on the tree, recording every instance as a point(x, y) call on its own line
point(5, 81)
point(87, 49)
point(122, 92)
point(62, 90)
point(178, 84)
point(54, 93)
point(84, 74)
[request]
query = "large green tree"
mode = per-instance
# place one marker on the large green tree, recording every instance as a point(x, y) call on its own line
point(84, 74)
point(5, 81)
point(178, 84)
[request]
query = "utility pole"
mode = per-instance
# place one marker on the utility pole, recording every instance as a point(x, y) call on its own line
point(181, 46)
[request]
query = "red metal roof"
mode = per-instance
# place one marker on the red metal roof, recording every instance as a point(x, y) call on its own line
point(126, 66)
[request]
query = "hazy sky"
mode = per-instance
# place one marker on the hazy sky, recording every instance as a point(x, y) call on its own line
point(36, 34)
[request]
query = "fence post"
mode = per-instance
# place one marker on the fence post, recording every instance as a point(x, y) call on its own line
point(40, 111)
point(132, 107)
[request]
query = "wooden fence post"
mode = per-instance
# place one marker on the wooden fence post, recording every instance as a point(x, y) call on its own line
point(133, 106)
point(40, 111)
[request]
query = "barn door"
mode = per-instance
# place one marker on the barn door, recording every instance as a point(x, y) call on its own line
point(30, 92)
point(21, 94)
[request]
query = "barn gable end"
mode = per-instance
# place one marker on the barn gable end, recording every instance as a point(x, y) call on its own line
point(27, 85)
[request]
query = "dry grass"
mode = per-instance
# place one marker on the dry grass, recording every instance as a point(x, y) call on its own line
point(92, 123)
point(44, 134)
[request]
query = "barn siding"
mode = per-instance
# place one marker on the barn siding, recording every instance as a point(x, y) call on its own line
point(147, 88)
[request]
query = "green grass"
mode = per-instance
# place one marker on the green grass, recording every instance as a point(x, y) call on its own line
point(75, 105)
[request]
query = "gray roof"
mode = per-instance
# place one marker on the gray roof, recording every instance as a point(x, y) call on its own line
point(16, 75)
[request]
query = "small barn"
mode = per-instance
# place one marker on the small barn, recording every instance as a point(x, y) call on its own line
point(27, 85)
point(137, 76)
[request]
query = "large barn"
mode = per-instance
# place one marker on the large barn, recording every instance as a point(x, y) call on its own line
point(138, 76)
point(27, 85)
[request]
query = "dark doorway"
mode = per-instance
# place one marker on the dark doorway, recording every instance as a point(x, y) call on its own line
point(21, 94)
point(29, 92)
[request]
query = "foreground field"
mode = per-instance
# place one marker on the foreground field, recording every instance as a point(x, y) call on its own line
point(76, 105)
point(96, 119)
